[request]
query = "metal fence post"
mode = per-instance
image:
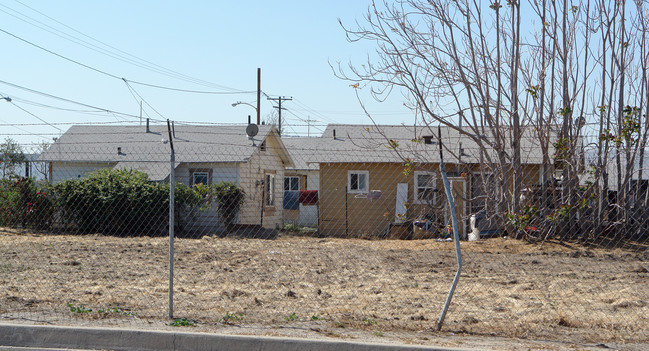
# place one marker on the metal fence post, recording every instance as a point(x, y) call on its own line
point(456, 235)
point(172, 183)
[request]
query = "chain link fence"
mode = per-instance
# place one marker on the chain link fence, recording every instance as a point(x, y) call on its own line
point(351, 229)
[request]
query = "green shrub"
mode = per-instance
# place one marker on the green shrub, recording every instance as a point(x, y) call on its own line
point(25, 203)
point(119, 202)
point(230, 198)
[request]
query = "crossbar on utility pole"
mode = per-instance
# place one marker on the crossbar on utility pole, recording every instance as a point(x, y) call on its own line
point(279, 109)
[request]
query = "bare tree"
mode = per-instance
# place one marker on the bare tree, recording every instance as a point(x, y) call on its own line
point(573, 78)
point(12, 156)
point(41, 167)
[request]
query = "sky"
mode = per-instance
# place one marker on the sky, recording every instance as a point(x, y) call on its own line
point(105, 57)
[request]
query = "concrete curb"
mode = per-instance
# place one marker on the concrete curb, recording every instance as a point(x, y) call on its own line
point(126, 339)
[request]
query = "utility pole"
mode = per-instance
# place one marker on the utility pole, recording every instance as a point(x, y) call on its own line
point(279, 110)
point(258, 96)
point(308, 125)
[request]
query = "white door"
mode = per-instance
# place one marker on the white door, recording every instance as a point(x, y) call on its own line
point(402, 199)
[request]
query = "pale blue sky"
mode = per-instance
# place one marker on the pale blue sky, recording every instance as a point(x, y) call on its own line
point(219, 42)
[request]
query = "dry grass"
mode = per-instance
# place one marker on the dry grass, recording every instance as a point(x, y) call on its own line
point(508, 288)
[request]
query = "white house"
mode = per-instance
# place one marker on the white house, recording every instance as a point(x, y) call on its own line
point(203, 154)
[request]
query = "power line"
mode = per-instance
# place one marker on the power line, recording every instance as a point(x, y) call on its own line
point(120, 55)
point(70, 101)
point(130, 88)
point(121, 78)
point(279, 109)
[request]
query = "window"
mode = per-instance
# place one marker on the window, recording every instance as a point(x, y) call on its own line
point(291, 193)
point(291, 183)
point(358, 181)
point(425, 188)
point(200, 176)
point(269, 182)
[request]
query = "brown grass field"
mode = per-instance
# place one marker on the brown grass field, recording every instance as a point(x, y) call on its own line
point(325, 287)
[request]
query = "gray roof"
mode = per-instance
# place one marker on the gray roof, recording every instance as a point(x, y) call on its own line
point(145, 150)
point(372, 143)
point(302, 152)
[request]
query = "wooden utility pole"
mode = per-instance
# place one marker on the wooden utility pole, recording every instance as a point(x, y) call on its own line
point(258, 96)
point(279, 109)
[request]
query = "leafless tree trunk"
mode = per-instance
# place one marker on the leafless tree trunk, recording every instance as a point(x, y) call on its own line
point(469, 61)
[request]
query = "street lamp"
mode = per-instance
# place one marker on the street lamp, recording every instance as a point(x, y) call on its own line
point(8, 99)
point(235, 104)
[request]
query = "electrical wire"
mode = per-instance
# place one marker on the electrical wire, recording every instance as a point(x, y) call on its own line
point(70, 101)
point(121, 78)
point(121, 55)
point(133, 91)
point(147, 64)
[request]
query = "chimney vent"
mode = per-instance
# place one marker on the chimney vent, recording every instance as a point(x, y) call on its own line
point(119, 150)
point(147, 125)
point(334, 134)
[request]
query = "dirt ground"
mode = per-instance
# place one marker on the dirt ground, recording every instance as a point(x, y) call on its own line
point(512, 293)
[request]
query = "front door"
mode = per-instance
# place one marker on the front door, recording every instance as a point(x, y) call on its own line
point(400, 206)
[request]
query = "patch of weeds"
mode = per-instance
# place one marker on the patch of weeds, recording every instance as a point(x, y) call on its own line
point(78, 309)
point(292, 317)
point(368, 321)
point(378, 333)
point(116, 310)
point(8, 268)
point(182, 322)
point(316, 318)
point(296, 229)
point(231, 318)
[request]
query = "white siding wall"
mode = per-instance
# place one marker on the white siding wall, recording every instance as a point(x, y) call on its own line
point(220, 171)
point(313, 180)
point(251, 177)
point(64, 170)
point(206, 221)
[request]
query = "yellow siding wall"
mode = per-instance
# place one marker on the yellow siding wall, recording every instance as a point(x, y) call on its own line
point(345, 214)
point(363, 217)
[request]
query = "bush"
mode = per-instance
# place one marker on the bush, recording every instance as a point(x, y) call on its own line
point(228, 197)
point(114, 202)
point(25, 203)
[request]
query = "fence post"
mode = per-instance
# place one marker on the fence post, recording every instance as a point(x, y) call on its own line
point(172, 184)
point(456, 235)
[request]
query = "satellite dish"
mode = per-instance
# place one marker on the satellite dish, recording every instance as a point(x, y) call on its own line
point(252, 130)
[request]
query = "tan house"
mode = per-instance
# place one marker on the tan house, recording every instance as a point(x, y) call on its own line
point(382, 181)
point(203, 154)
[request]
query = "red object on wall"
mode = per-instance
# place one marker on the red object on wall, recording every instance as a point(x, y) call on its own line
point(308, 197)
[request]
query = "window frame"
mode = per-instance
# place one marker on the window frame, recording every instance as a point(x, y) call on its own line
point(269, 189)
point(194, 171)
point(417, 186)
point(290, 178)
point(364, 190)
